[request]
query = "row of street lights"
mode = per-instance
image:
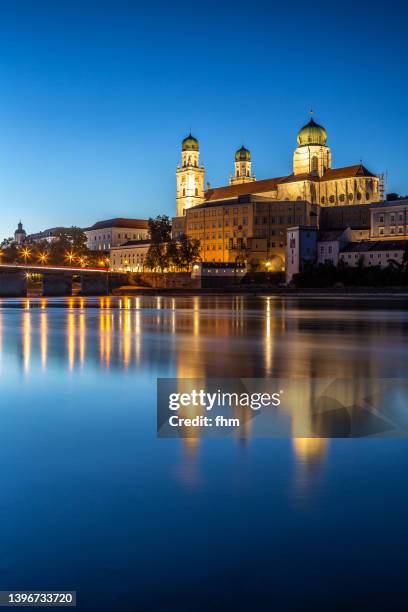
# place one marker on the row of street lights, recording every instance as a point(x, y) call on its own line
point(70, 257)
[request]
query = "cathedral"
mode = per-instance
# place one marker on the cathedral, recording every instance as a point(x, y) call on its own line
point(312, 179)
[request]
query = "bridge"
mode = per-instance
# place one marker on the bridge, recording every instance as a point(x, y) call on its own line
point(57, 280)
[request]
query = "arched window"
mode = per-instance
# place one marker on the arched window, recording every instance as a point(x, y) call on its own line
point(315, 163)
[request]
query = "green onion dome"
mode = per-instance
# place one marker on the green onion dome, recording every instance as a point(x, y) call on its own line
point(242, 155)
point(189, 143)
point(312, 134)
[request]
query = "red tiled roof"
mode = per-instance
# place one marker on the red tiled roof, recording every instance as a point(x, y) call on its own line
point(233, 191)
point(120, 222)
point(294, 178)
point(348, 171)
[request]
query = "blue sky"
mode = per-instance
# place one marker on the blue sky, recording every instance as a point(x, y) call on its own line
point(95, 97)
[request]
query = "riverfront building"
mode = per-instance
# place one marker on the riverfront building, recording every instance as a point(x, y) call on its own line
point(313, 178)
point(373, 253)
point(247, 228)
point(104, 235)
point(389, 220)
point(248, 219)
point(129, 257)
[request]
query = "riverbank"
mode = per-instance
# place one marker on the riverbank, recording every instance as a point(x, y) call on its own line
point(259, 290)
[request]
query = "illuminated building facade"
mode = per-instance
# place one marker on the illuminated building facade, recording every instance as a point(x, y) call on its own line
point(248, 219)
point(248, 228)
point(389, 220)
point(129, 257)
point(312, 179)
point(104, 235)
point(189, 176)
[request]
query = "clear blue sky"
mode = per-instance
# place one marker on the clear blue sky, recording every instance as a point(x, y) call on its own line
point(95, 97)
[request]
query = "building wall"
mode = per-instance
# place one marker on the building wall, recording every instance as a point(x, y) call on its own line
point(106, 238)
point(389, 221)
point(300, 248)
point(338, 217)
point(312, 158)
point(128, 258)
point(227, 231)
point(372, 258)
point(356, 190)
point(328, 251)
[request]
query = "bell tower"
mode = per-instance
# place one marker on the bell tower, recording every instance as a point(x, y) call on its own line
point(189, 177)
point(243, 172)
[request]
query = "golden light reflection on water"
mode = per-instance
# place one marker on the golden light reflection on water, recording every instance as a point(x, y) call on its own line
point(196, 337)
point(26, 340)
point(44, 338)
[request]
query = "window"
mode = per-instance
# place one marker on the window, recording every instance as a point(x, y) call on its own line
point(196, 191)
point(342, 197)
point(381, 220)
point(323, 199)
point(331, 199)
point(184, 192)
point(315, 164)
point(381, 231)
point(359, 196)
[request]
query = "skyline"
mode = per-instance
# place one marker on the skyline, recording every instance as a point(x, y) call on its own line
point(94, 102)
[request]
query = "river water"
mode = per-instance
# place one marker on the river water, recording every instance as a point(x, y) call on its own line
point(93, 501)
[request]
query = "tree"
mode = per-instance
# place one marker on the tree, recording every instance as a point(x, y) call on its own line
point(68, 245)
point(184, 251)
point(158, 255)
point(9, 251)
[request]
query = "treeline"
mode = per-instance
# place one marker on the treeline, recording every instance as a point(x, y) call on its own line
point(328, 275)
point(68, 248)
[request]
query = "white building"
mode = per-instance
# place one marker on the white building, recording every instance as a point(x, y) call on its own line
point(104, 235)
point(329, 245)
point(389, 220)
point(129, 257)
point(373, 253)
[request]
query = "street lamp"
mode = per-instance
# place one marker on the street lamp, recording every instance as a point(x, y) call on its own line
point(43, 257)
point(25, 253)
point(70, 257)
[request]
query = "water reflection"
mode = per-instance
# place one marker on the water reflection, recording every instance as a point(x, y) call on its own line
point(200, 337)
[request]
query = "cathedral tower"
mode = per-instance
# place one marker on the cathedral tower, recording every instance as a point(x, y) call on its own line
point(243, 172)
point(312, 155)
point(189, 177)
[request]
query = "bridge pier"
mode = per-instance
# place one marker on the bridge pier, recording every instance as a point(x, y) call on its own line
point(94, 284)
point(13, 284)
point(56, 285)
